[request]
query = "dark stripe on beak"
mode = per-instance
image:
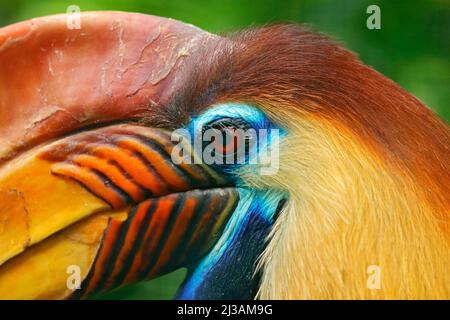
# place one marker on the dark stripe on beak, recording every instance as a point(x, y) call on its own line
point(175, 211)
point(149, 243)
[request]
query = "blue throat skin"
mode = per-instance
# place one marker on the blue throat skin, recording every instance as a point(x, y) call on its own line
point(228, 270)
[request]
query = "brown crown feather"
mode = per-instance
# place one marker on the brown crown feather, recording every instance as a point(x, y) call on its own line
point(288, 65)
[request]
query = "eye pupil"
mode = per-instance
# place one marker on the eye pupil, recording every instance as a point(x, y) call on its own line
point(232, 141)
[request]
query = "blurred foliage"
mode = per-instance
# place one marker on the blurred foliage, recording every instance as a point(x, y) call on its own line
point(158, 289)
point(412, 47)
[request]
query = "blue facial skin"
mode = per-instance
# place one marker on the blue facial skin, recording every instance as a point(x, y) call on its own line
point(254, 118)
point(228, 270)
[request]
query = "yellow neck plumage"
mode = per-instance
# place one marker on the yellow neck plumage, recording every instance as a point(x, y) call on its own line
point(353, 228)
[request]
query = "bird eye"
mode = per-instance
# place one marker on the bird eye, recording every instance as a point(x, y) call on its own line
point(230, 139)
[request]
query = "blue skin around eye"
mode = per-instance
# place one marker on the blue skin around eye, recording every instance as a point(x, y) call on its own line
point(227, 271)
point(254, 117)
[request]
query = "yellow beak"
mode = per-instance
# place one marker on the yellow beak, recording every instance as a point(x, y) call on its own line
point(107, 204)
point(86, 212)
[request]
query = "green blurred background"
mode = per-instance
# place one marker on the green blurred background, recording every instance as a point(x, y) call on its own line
point(412, 48)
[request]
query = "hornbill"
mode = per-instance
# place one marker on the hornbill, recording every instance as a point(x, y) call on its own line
point(87, 177)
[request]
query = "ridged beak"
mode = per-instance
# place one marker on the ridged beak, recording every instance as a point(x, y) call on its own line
point(107, 204)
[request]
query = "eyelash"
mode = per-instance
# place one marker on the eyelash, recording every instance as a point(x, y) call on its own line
point(233, 123)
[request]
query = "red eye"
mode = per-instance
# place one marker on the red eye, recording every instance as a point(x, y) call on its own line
point(232, 141)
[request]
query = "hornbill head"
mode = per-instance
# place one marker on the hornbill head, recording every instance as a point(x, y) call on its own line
point(102, 171)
